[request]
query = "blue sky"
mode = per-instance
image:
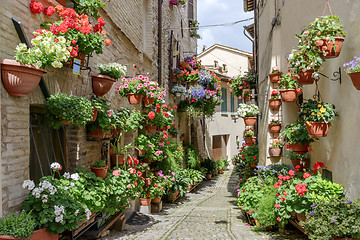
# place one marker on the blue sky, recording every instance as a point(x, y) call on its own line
point(223, 11)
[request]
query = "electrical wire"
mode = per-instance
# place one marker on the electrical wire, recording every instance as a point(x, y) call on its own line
point(216, 25)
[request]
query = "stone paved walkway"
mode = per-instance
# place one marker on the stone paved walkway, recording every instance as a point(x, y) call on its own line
point(208, 213)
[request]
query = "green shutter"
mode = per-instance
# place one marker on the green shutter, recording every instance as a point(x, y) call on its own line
point(232, 103)
point(224, 98)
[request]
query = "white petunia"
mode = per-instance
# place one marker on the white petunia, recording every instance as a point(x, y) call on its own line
point(75, 177)
point(28, 184)
point(59, 218)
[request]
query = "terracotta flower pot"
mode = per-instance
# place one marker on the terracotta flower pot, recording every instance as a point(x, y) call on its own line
point(275, 152)
point(97, 134)
point(208, 176)
point(355, 78)
point(94, 115)
point(250, 121)
point(119, 158)
point(145, 201)
point(247, 98)
point(327, 47)
point(288, 95)
point(101, 84)
point(6, 237)
point(148, 100)
point(250, 141)
point(301, 217)
point(274, 128)
point(188, 189)
point(275, 77)
point(156, 200)
point(317, 129)
point(306, 77)
point(253, 165)
point(174, 195)
point(100, 172)
point(42, 234)
point(134, 98)
point(274, 103)
point(151, 128)
point(19, 79)
point(148, 181)
point(299, 149)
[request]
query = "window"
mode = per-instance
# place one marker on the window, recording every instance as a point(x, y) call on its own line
point(224, 98)
point(47, 145)
point(232, 103)
point(190, 9)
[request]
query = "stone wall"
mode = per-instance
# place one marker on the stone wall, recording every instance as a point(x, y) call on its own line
point(132, 28)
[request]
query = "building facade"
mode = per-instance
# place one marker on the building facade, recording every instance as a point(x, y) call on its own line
point(143, 32)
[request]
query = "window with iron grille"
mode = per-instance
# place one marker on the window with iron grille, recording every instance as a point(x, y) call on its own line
point(47, 145)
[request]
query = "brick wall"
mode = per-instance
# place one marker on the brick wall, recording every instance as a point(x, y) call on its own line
point(131, 27)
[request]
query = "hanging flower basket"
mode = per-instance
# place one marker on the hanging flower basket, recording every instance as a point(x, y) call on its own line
point(100, 172)
point(274, 128)
point(288, 95)
point(317, 129)
point(101, 84)
point(355, 78)
point(148, 100)
point(250, 141)
point(134, 98)
point(19, 79)
point(327, 47)
point(275, 77)
point(306, 77)
point(145, 201)
point(275, 152)
point(274, 103)
point(151, 128)
point(250, 121)
point(300, 149)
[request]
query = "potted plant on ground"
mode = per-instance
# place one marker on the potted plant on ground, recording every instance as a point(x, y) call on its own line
point(288, 85)
point(53, 207)
point(299, 161)
point(65, 109)
point(249, 137)
point(353, 69)
point(317, 117)
point(108, 74)
point(21, 76)
point(275, 125)
point(296, 137)
point(210, 167)
point(132, 88)
point(248, 112)
point(100, 168)
point(120, 152)
point(275, 74)
point(275, 148)
point(156, 190)
point(17, 226)
point(274, 101)
point(250, 155)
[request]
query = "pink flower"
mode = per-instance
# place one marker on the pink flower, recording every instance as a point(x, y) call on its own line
point(173, 179)
point(129, 185)
point(156, 185)
point(173, 173)
point(109, 113)
point(125, 85)
point(116, 173)
point(278, 219)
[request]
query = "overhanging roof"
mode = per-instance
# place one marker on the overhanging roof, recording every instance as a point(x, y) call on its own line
point(249, 5)
point(250, 30)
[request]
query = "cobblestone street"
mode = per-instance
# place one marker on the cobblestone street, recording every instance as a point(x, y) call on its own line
point(208, 213)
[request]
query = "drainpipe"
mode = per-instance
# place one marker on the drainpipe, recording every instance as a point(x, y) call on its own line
point(256, 62)
point(159, 40)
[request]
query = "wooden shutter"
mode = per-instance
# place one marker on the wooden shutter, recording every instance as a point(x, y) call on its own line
point(224, 98)
point(232, 103)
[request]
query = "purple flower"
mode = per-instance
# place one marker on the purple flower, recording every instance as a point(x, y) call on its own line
point(312, 213)
point(334, 219)
point(197, 92)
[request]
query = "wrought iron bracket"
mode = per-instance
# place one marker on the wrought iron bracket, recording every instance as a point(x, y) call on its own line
point(336, 75)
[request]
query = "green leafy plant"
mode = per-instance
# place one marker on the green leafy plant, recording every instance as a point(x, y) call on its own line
point(220, 164)
point(113, 70)
point(250, 154)
point(294, 156)
point(265, 209)
point(18, 225)
point(99, 164)
point(76, 110)
point(89, 7)
point(249, 133)
point(192, 159)
point(275, 94)
point(195, 176)
point(316, 111)
point(237, 85)
point(128, 120)
point(105, 116)
point(274, 70)
point(296, 133)
point(287, 81)
point(210, 165)
point(334, 218)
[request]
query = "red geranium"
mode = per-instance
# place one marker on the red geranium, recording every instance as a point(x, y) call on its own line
point(151, 115)
point(306, 175)
point(101, 21)
point(107, 42)
point(277, 205)
point(175, 107)
point(156, 185)
point(49, 11)
point(318, 165)
point(301, 188)
point(36, 7)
